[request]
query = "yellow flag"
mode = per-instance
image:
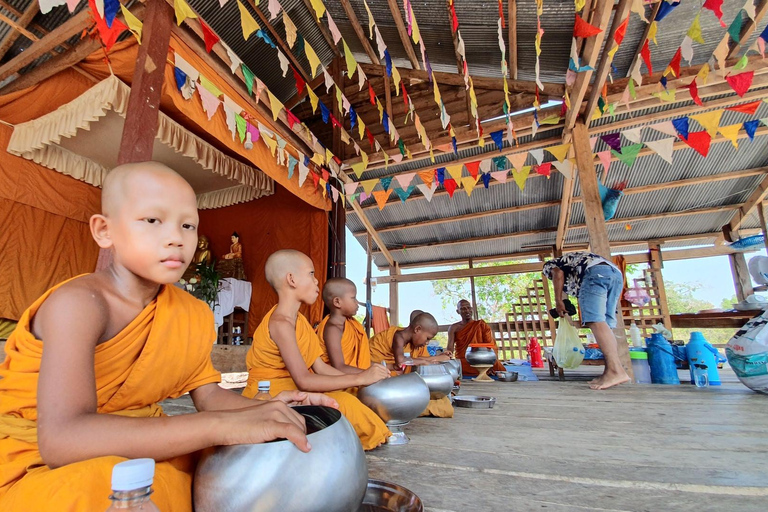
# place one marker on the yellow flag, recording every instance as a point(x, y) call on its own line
point(210, 86)
point(652, 32)
point(438, 98)
point(313, 99)
point(695, 31)
point(269, 141)
point(360, 128)
point(318, 159)
point(559, 151)
point(710, 121)
point(133, 23)
point(469, 184)
point(328, 155)
point(183, 11)
point(396, 79)
point(731, 132)
point(455, 171)
point(276, 106)
point(338, 96)
point(247, 22)
point(319, 8)
point(368, 185)
point(358, 168)
point(364, 158)
point(481, 142)
point(415, 32)
point(381, 109)
point(579, 4)
point(666, 95)
point(521, 176)
point(703, 73)
point(312, 57)
point(349, 59)
point(290, 30)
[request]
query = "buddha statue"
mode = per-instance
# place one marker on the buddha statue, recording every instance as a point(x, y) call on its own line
point(202, 255)
point(236, 249)
point(231, 264)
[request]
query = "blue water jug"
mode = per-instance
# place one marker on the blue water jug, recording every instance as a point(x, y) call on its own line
point(699, 351)
point(661, 360)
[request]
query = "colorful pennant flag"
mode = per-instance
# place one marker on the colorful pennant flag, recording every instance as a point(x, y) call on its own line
point(247, 23)
point(740, 83)
point(699, 141)
point(664, 148)
point(583, 29)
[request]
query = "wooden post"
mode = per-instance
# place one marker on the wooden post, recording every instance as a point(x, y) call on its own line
point(472, 289)
point(337, 248)
point(368, 312)
point(140, 128)
point(394, 309)
point(654, 257)
point(742, 281)
point(595, 220)
point(761, 215)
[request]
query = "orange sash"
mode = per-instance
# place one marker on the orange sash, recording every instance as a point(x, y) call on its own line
point(354, 344)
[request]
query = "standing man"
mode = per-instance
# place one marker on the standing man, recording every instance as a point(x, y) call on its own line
point(597, 284)
point(470, 332)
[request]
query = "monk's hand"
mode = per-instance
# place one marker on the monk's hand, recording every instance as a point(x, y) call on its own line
point(266, 422)
point(304, 398)
point(373, 374)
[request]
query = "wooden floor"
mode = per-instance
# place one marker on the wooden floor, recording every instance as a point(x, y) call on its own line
point(560, 446)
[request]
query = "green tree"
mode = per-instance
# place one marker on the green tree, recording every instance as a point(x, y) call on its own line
point(728, 303)
point(681, 298)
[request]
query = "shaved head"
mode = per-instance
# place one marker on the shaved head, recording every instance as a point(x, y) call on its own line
point(336, 287)
point(426, 321)
point(463, 301)
point(124, 181)
point(281, 263)
point(414, 314)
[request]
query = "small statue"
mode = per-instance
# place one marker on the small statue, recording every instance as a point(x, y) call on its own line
point(236, 249)
point(202, 255)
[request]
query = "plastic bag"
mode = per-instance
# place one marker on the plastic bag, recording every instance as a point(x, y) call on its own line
point(637, 296)
point(568, 351)
point(747, 353)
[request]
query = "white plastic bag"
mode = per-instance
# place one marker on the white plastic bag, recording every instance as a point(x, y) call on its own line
point(568, 351)
point(747, 353)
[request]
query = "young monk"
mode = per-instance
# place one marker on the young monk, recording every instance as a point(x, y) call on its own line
point(90, 360)
point(343, 339)
point(287, 352)
point(390, 346)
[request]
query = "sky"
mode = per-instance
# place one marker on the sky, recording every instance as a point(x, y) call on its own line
point(712, 275)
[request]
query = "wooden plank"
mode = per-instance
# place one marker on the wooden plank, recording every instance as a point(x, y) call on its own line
point(388, 106)
point(742, 282)
point(763, 226)
point(394, 309)
point(654, 11)
point(140, 128)
point(593, 208)
point(403, 33)
point(355, 23)
point(512, 24)
point(24, 19)
point(18, 28)
point(748, 28)
point(755, 199)
point(280, 42)
point(56, 37)
point(368, 286)
point(654, 251)
point(323, 29)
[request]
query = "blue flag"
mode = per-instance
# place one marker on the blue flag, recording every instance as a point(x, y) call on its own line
point(498, 138)
point(750, 127)
point(181, 78)
point(441, 175)
point(681, 125)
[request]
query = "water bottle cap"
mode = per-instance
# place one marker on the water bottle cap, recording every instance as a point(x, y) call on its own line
point(263, 384)
point(133, 474)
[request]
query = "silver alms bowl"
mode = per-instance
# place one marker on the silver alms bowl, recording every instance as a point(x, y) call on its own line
point(438, 379)
point(277, 476)
point(480, 356)
point(396, 400)
point(454, 368)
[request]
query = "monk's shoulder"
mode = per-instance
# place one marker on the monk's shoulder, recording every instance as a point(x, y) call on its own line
point(187, 300)
point(81, 300)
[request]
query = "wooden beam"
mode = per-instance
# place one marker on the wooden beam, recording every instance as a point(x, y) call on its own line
point(593, 207)
point(141, 120)
point(755, 199)
point(355, 23)
point(654, 11)
point(621, 13)
point(18, 27)
point(368, 286)
point(388, 106)
point(73, 26)
point(323, 30)
point(742, 282)
point(24, 20)
point(763, 226)
point(394, 302)
point(404, 39)
point(512, 23)
point(299, 97)
point(280, 42)
point(748, 28)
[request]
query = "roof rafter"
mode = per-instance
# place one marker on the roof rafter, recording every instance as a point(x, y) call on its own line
point(323, 30)
point(24, 19)
point(749, 27)
point(403, 33)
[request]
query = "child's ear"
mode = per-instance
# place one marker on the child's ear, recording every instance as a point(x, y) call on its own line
point(336, 302)
point(417, 328)
point(290, 280)
point(100, 231)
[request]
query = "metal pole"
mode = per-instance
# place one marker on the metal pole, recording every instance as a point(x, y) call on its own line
point(472, 289)
point(368, 313)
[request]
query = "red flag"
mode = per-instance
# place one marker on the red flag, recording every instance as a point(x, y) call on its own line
point(694, 90)
point(405, 93)
point(326, 174)
point(371, 140)
point(371, 94)
point(450, 186)
point(716, 6)
point(645, 53)
point(741, 82)
point(292, 119)
point(621, 31)
point(335, 122)
point(699, 141)
point(315, 178)
point(583, 29)
point(454, 19)
point(746, 108)
point(108, 35)
point(674, 64)
point(473, 167)
point(543, 169)
point(300, 83)
point(210, 38)
point(501, 15)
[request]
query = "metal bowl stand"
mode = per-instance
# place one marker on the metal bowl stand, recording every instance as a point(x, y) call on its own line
point(483, 375)
point(398, 437)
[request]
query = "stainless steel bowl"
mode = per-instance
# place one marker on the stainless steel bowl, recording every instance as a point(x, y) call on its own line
point(388, 497)
point(480, 355)
point(277, 476)
point(438, 379)
point(396, 400)
point(507, 376)
point(454, 368)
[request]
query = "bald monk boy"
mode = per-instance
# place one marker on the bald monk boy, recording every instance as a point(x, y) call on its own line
point(90, 360)
point(470, 332)
point(343, 339)
point(391, 345)
point(287, 352)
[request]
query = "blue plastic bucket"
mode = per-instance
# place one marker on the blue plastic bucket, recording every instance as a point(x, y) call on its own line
point(661, 360)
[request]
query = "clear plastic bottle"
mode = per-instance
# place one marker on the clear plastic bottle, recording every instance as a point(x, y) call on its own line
point(263, 393)
point(700, 376)
point(635, 335)
point(132, 486)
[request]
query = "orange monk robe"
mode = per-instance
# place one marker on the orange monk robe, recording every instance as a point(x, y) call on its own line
point(354, 344)
point(265, 363)
point(381, 350)
point(475, 332)
point(163, 353)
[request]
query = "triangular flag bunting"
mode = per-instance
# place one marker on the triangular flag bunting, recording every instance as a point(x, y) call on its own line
point(473, 168)
point(665, 127)
point(613, 140)
point(751, 126)
point(741, 82)
point(664, 148)
point(559, 152)
point(468, 182)
point(681, 126)
point(134, 24)
point(731, 132)
point(746, 108)
point(183, 11)
point(381, 197)
point(368, 185)
point(565, 167)
point(209, 36)
point(521, 176)
point(404, 193)
point(544, 169)
point(699, 141)
point(517, 160)
point(500, 176)
point(628, 154)
point(427, 177)
point(633, 135)
point(605, 159)
point(404, 180)
point(450, 186)
point(455, 171)
point(710, 121)
point(247, 23)
point(427, 190)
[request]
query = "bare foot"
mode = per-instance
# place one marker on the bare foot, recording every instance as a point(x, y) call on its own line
point(609, 380)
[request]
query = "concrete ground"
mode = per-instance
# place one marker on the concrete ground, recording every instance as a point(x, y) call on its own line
point(560, 446)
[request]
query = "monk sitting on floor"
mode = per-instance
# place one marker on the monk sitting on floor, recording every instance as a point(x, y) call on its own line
point(287, 352)
point(90, 360)
point(343, 339)
point(391, 345)
point(470, 332)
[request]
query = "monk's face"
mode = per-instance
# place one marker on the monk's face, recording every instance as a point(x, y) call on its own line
point(305, 283)
point(464, 310)
point(348, 305)
point(153, 228)
point(422, 335)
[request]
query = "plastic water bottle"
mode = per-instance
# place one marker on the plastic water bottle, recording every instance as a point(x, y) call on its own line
point(635, 335)
point(263, 393)
point(640, 366)
point(700, 376)
point(132, 486)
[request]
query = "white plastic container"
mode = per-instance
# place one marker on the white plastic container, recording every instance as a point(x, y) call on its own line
point(640, 366)
point(636, 336)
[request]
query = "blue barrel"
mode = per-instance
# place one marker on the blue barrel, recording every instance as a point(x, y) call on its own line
point(698, 351)
point(661, 360)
